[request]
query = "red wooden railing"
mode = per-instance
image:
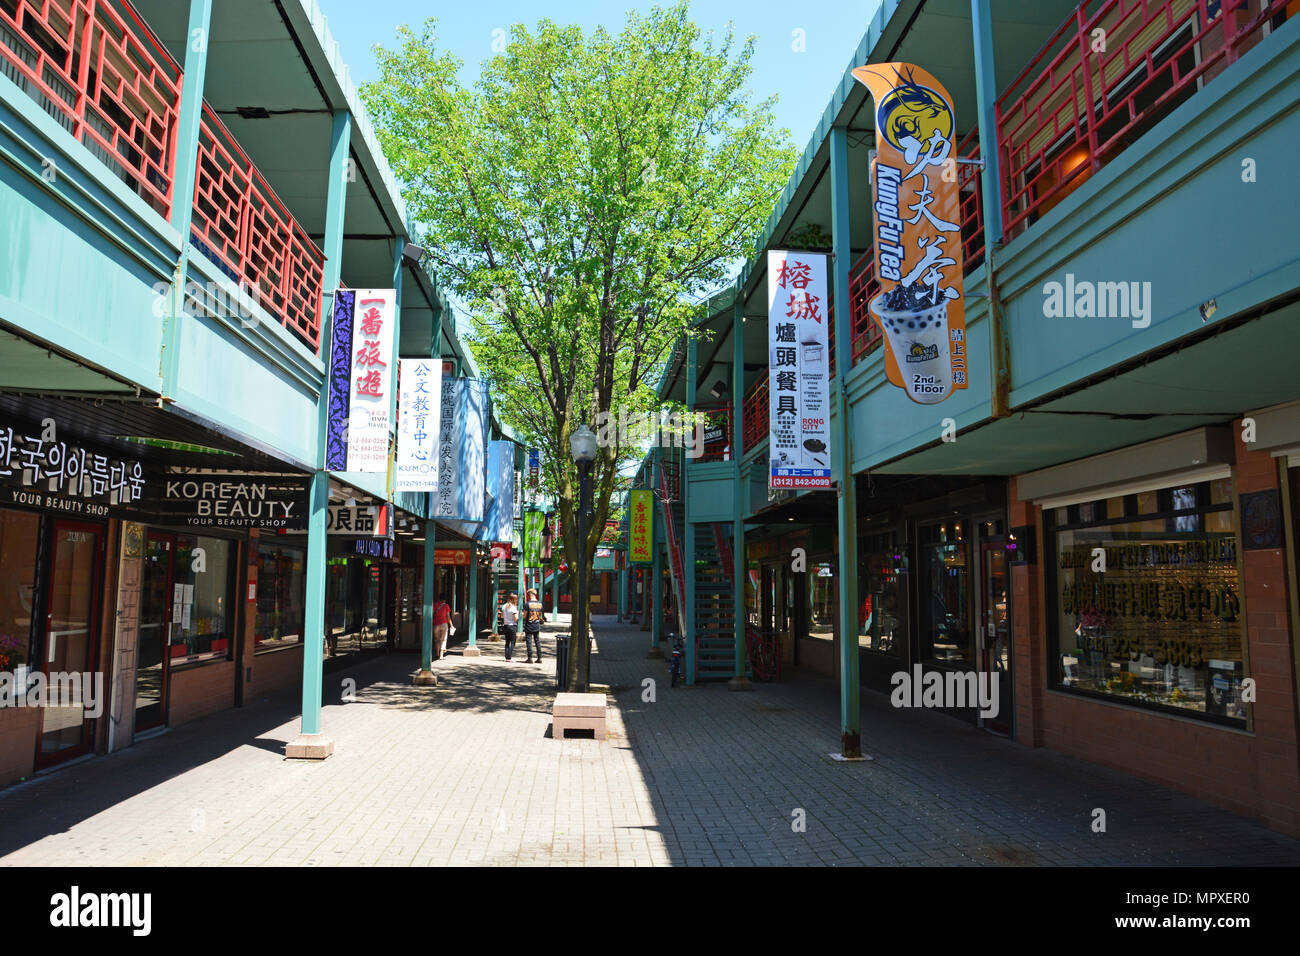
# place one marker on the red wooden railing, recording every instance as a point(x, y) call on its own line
point(95, 66)
point(98, 70)
point(667, 494)
point(241, 223)
point(1112, 70)
point(754, 424)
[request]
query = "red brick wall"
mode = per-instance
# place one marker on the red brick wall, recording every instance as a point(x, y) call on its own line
point(198, 691)
point(17, 742)
point(1256, 774)
point(274, 670)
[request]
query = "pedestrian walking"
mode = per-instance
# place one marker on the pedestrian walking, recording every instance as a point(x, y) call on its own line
point(510, 623)
point(533, 627)
point(441, 625)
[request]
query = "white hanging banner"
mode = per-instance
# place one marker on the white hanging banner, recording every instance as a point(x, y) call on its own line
point(799, 370)
point(419, 404)
point(371, 380)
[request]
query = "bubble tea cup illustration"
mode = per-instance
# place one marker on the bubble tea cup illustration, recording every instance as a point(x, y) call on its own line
point(917, 330)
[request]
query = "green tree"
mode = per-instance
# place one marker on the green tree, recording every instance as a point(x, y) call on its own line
point(578, 198)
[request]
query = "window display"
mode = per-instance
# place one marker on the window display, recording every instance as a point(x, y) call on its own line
point(202, 624)
point(1148, 609)
point(18, 534)
point(281, 593)
point(882, 595)
point(945, 605)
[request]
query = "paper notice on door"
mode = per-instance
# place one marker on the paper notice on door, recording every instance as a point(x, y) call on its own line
point(176, 613)
point(185, 618)
point(178, 594)
point(189, 594)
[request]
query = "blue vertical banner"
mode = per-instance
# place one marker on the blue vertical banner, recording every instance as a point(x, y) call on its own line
point(461, 495)
point(499, 526)
point(336, 438)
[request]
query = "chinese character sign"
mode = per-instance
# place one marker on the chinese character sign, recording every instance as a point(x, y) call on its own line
point(641, 547)
point(371, 381)
point(915, 194)
point(798, 370)
point(418, 424)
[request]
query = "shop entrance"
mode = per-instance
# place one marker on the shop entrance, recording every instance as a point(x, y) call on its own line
point(70, 636)
point(157, 613)
point(994, 634)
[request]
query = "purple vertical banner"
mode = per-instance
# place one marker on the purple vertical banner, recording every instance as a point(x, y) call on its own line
point(336, 439)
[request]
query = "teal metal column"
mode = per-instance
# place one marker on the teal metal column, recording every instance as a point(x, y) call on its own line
point(847, 572)
point(688, 530)
point(472, 610)
point(739, 569)
point(985, 99)
point(657, 567)
point(313, 650)
point(188, 121)
point(622, 591)
point(430, 582)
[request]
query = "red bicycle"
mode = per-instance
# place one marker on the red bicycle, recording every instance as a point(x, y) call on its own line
point(764, 654)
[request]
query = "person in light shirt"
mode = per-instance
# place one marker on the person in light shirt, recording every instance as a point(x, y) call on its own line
point(510, 624)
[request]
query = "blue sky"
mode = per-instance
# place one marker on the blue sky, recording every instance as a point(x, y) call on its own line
point(802, 80)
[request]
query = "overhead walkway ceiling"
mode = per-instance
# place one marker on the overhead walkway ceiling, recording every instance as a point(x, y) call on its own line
point(1214, 380)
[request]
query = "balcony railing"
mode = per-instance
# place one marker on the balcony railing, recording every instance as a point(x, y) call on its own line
point(95, 66)
point(240, 223)
point(1111, 71)
point(755, 410)
point(97, 69)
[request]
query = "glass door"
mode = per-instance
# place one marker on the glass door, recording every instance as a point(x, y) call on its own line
point(159, 610)
point(70, 635)
point(995, 623)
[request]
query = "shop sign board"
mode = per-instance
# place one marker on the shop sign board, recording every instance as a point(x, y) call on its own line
point(232, 500)
point(798, 370)
point(372, 520)
point(373, 547)
point(458, 557)
point(917, 203)
point(418, 412)
point(361, 380)
point(642, 525)
point(38, 469)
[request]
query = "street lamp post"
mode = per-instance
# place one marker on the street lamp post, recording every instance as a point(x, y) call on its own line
point(582, 444)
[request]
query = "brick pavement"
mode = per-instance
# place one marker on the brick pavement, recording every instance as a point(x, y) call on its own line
point(466, 773)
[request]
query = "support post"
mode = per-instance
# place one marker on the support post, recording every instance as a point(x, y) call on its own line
point(188, 122)
point(311, 744)
point(426, 677)
point(687, 623)
point(991, 203)
point(656, 583)
point(471, 612)
point(847, 571)
point(739, 570)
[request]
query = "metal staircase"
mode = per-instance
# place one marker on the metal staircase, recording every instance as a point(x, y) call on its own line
point(715, 615)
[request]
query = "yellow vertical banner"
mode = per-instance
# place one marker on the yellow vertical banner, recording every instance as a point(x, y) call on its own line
point(641, 547)
point(921, 307)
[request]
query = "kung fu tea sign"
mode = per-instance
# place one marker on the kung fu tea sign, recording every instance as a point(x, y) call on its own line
point(799, 370)
point(916, 197)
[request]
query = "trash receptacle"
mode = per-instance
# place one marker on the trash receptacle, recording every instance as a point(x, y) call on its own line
point(562, 662)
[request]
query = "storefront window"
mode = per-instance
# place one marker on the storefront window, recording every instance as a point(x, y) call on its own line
point(824, 603)
point(882, 596)
point(18, 534)
point(1148, 610)
point(281, 593)
point(945, 604)
point(201, 588)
